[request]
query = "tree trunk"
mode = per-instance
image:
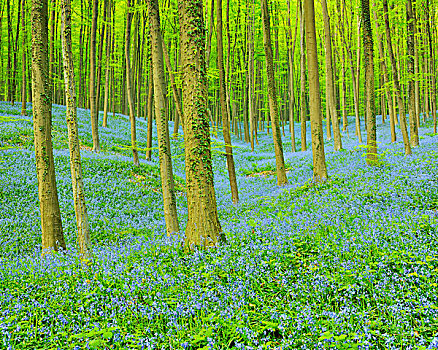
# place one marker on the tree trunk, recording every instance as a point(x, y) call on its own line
point(166, 172)
point(224, 110)
point(23, 59)
point(84, 241)
point(129, 83)
point(51, 225)
point(203, 227)
point(273, 104)
point(386, 81)
point(107, 71)
point(303, 116)
point(370, 114)
point(401, 105)
point(93, 108)
point(251, 89)
point(331, 92)
point(410, 19)
point(150, 115)
point(291, 55)
point(319, 165)
point(179, 114)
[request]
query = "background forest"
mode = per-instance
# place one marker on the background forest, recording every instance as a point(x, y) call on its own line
point(237, 174)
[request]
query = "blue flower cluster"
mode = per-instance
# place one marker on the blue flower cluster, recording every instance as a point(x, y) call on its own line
point(351, 263)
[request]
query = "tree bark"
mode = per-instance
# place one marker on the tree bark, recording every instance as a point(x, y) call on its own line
point(273, 104)
point(166, 171)
point(303, 117)
point(410, 19)
point(23, 59)
point(51, 225)
point(401, 105)
point(93, 108)
point(370, 108)
point(129, 83)
point(203, 227)
point(319, 165)
point(224, 110)
point(84, 241)
point(331, 92)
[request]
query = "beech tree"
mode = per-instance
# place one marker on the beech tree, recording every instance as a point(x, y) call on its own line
point(51, 225)
point(84, 241)
point(166, 171)
point(273, 104)
point(319, 165)
point(203, 227)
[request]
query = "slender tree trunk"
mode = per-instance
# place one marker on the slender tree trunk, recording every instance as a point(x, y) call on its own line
point(370, 113)
point(100, 55)
point(150, 115)
point(431, 68)
point(10, 49)
point(319, 165)
point(273, 104)
point(331, 92)
point(210, 34)
point(179, 114)
point(386, 81)
point(251, 89)
point(291, 55)
point(303, 116)
point(23, 58)
point(51, 225)
point(107, 71)
point(203, 227)
point(410, 19)
point(129, 83)
point(401, 105)
point(224, 111)
point(166, 172)
point(93, 108)
point(84, 241)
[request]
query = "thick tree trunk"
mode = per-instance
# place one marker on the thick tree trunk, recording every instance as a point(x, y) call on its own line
point(203, 227)
point(51, 225)
point(319, 165)
point(224, 110)
point(129, 84)
point(84, 241)
point(273, 104)
point(166, 172)
point(370, 114)
point(93, 108)
point(400, 101)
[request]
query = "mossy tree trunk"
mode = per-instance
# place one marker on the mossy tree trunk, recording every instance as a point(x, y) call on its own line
point(203, 227)
point(51, 225)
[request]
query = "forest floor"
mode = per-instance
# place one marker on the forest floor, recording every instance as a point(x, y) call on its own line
point(348, 264)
